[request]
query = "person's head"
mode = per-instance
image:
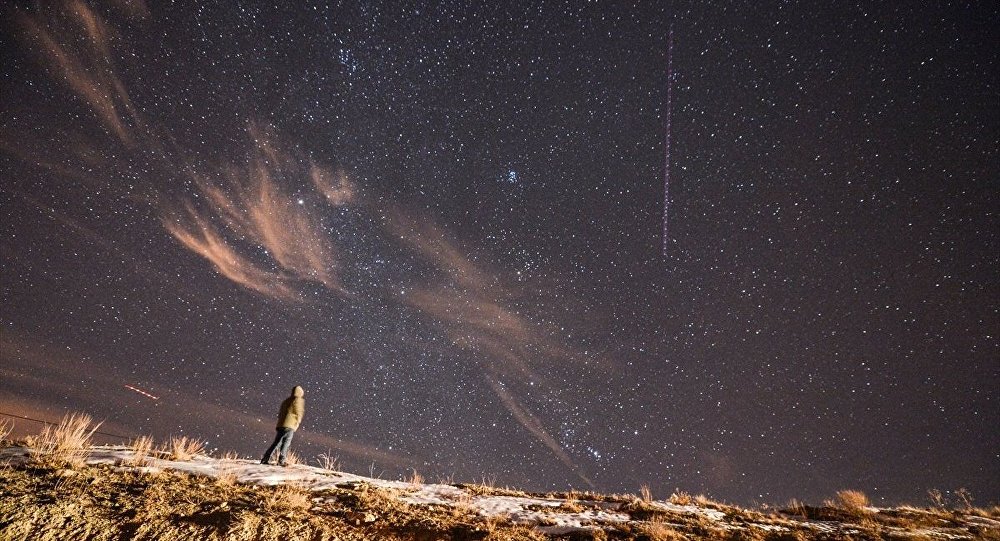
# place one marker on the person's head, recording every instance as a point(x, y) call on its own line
point(297, 391)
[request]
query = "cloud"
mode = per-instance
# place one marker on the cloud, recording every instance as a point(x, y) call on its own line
point(76, 43)
point(249, 208)
point(335, 186)
point(200, 236)
point(473, 307)
point(536, 427)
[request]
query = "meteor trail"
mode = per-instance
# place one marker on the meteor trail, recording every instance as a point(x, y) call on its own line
point(666, 158)
point(140, 391)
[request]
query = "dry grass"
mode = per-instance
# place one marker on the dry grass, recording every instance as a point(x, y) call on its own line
point(936, 498)
point(226, 472)
point(6, 427)
point(796, 508)
point(851, 500)
point(515, 533)
point(486, 490)
point(964, 498)
point(646, 493)
point(141, 448)
point(106, 503)
point(292, 458)
point(66, 444)
point(287, 500)
point(416, 480)
point(571, 506)
point(679, 497)
point(499, 528)
point(658, 531)
point(705, 501)
point(328, 461)
point(184, 448)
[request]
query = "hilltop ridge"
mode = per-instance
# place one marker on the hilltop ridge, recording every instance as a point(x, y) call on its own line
point(112, 495)
point(57, 486)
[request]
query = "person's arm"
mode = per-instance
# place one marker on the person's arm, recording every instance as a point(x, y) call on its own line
point(298, 410)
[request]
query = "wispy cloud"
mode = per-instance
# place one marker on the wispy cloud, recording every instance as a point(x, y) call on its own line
point(202, 237)
point(335, 186)
point(249, 208)
point(474, 308)
point(76, 44)
point(535, 426)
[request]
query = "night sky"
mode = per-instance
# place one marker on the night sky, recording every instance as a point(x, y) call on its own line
point(445, 223)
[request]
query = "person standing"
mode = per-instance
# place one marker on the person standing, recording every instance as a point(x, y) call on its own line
point(289, 418)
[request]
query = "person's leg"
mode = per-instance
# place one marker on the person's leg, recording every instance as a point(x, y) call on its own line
point(274, 445)
point(286, 442)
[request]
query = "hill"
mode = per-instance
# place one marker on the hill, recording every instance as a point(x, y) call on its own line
point(54, 486)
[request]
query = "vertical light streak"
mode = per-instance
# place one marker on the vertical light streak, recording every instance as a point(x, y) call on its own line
point(666, 157)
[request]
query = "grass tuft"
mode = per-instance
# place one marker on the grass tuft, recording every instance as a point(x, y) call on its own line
point(6, 427)
point(141, 448)
point(679, 497)
point(658, 531)
point(852, 500)
point(184, 448)
point(66, 444)
point(286, 500)
point(328, 461)
point(416, 479)
point(292, 458)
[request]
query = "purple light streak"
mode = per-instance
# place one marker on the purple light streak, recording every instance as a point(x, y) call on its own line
point(666, 158)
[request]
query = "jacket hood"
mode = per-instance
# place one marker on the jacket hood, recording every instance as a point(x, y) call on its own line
point(298, 392)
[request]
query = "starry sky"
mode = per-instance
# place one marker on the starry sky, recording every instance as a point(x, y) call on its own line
point(446, 223)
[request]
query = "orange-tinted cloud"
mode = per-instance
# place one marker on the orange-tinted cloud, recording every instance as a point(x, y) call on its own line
point(249, 208)
point(203, 238)
point(335, 186)
point(535, 426)
point(474, 308)
point(76, 43)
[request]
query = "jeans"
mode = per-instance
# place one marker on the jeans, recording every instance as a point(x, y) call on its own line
point(283, 438)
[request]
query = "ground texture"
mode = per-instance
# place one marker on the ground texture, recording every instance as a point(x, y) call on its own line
point(114, 494)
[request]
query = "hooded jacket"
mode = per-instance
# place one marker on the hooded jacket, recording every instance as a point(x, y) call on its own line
point(292, 410)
